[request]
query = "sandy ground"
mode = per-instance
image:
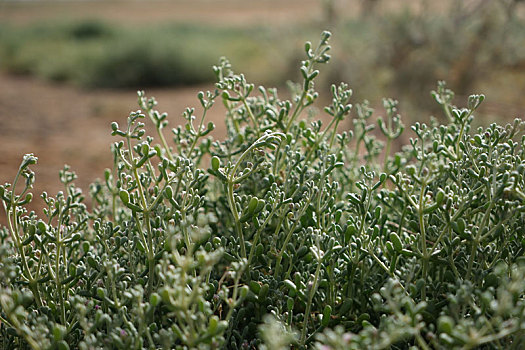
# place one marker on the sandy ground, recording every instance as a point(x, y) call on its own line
point(215, 12)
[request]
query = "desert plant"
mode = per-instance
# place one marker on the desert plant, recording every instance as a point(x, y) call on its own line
point(96, 54)
point(288, 231)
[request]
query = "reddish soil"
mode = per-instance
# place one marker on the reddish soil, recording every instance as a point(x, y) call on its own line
point(63, 125)
point(214, 12)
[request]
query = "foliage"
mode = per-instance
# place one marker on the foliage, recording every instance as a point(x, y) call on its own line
point(467, 43)
point(295, 234)
point(96, 54)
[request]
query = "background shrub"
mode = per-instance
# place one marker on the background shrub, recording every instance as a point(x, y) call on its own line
point(95, 54)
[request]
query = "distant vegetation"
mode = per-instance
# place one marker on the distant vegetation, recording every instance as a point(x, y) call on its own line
point(475, 45)
point(96, 54)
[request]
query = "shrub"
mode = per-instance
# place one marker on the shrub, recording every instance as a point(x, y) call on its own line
point(403, 52)
point(287, 231)
point(96, 54)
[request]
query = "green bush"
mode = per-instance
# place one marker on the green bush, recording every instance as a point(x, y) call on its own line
point(285, 234)
point(95, 54)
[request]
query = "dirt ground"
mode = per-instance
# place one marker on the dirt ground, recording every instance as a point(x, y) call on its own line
point(224, 12)
point(215, 12)
point(63, 125)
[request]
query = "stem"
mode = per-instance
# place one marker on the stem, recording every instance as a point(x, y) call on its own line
point(458, 154)
point(421, 208)
point(194, 143)
point(252, 117)
point(312, 150)
point(320, 215)
point(309, 304)
point(159, 131)
point(461, 133)
point(257, 235)
point(335, 120)
point(484, 221)
point(289, 236)
point(151, 255)
point(159, 197)
point(477, 240)
point(57, 278)
point(421, 342)
point(238, 228)
point(350, 289)
point(357, 146)
point(164, 143)
point(447, 112)
point(283, 249)
point(146, 216)
point(332, 139)
point(381, 264)
point(234, 296)
point(298, 108)
point(387, 153)
point(13, 226)
point(232, 180)
point(114, 205)
point(458, 213)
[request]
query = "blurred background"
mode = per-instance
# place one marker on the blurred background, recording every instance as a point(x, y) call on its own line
point(70, 68)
